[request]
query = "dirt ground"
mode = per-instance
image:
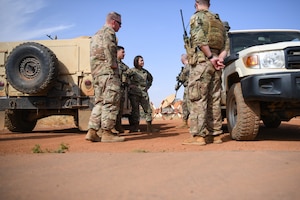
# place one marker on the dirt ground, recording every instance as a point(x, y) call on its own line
point(145, 166)
point(51, 132)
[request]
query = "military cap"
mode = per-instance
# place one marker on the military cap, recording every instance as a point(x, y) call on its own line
point(226, 25)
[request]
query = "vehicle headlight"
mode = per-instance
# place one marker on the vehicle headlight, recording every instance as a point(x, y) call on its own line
point(263, 60)
point(272, 59)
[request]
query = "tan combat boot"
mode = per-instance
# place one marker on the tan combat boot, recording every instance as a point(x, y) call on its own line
point(108, 136)
point(115, 131)
point(195, 140)
point(184, 124)
point(216, 139)
point(92, 135)
point(150, 128)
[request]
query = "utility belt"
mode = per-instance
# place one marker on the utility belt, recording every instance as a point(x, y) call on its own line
point(198, 56)
point(116, 75)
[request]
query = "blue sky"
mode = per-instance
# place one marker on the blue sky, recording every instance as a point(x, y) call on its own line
point(152, 29)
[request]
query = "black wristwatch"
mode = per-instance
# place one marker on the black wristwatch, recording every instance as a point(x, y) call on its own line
point(210, 57)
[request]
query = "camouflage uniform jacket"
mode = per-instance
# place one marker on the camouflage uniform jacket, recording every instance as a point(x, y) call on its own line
point(122, 71)
point(140, 81)
point(104, 52)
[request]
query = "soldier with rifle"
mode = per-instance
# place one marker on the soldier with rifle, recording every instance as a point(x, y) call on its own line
point(183, 79)
point(206, 52)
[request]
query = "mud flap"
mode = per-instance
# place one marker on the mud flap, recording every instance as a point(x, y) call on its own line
point(2, 119)
point(83, 119)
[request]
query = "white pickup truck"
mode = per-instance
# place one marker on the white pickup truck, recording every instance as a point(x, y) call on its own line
point(261, 80)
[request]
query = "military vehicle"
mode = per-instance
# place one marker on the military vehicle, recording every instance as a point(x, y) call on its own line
point(261, 80)
point(43, 78)
point(52, 77)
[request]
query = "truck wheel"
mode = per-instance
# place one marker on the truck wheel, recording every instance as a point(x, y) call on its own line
point(17, 121)
point(242, 117)
point(31, 68)
point(271, 121)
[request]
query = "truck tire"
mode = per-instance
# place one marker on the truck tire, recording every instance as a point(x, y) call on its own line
point(17, 121)
point(242, 117)
point(31, 68)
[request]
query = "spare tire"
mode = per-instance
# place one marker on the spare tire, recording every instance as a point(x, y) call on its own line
point(31, 68)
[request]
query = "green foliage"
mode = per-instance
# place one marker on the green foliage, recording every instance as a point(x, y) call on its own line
point(62, 149)
point(37, 149)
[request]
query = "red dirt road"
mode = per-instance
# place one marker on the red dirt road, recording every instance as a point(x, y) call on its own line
point(149, 167)
point(50, 134)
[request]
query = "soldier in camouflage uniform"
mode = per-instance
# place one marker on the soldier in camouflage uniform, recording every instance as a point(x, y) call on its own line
point(140, 81)
point(206, 53)
point(106, 82)
point(124, 86)
point(183, 77)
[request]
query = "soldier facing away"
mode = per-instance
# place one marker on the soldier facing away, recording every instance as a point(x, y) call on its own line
point(206, 55)
point(106, 82)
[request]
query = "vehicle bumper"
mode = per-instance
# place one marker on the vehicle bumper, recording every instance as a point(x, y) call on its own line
point(272, 87)
point(46, 103)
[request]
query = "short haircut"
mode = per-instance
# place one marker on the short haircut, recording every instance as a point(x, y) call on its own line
point(112, 15)
point(184, 56)
point(203, 2)
point(119, 47)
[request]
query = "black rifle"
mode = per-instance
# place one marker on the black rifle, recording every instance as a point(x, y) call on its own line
point(178, 85)
point(186, 39)
point(179, 82)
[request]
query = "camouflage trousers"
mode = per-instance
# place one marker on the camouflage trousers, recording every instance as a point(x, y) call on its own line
point(185, 104)
point(137, 101)
point(122, 100)
point(107, 102)
point(205, 95)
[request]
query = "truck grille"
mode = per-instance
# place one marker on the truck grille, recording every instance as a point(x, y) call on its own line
point(292, 55)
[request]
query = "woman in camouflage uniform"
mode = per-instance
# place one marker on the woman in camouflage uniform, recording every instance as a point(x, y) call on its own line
point(140, 81)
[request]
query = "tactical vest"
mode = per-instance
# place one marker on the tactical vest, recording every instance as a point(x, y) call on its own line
point(216, 30)
point(213, 31)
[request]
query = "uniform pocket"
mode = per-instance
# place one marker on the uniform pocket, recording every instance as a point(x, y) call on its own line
point(192, 59)
point(194, 91)
point(112, 91)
